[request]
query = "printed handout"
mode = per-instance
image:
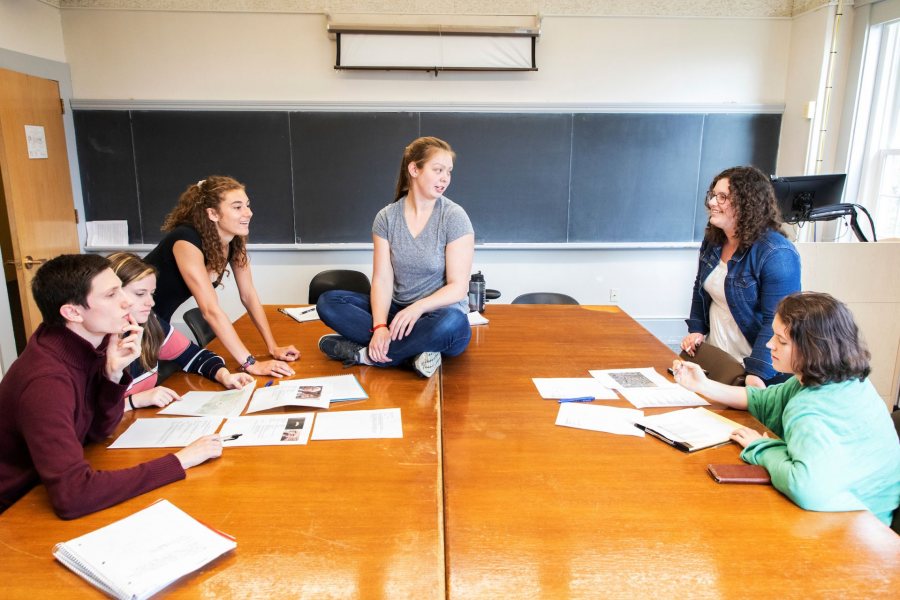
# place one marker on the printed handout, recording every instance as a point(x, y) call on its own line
point(340, 387)
point(268, 430)
point(175, 432)
point(276, 396)
point(553, 388)
point(229, 403)
point(622, 379)
point(358, 425)
point(664, 396)
point(600, 418)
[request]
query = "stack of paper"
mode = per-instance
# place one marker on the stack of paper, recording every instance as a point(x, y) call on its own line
point(143, 553)
point(690, 429)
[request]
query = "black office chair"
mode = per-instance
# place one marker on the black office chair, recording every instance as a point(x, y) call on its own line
point(338, 279)
point(203, 333)
point(545, 298)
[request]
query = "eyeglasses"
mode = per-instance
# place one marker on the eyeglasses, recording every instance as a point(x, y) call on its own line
point(719, 198)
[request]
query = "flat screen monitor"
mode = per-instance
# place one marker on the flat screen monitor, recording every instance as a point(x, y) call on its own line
point(799, 195)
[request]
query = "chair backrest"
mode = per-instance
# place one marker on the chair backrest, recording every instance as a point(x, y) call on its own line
point(338, 279)
point(545, 298)
point(203, 333)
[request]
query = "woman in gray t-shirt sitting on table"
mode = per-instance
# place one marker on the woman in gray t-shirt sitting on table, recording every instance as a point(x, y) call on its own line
point(424, 244)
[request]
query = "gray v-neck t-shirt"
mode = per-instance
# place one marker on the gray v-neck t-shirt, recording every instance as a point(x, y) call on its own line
point(419, 263)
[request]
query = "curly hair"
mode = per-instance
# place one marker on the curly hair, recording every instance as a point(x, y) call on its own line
point(192, 210)
point(755, 208)
point(418, 151)
point(827, 348)
point(130, 268)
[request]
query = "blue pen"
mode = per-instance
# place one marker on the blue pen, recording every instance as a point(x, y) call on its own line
point(269, 382)
point(579, 399)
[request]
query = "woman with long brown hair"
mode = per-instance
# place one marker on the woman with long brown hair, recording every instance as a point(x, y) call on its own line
point(746, 267)
point(424, 245)
point(207, 233)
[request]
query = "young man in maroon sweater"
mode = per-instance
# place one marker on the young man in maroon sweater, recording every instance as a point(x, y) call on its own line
point(66, 390)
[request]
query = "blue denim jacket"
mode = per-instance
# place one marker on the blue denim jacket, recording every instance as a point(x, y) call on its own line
point(758, 278)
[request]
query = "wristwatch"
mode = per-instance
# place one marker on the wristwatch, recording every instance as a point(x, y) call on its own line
point(250, 361)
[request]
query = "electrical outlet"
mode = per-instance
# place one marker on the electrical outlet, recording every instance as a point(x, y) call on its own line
point(613, 295)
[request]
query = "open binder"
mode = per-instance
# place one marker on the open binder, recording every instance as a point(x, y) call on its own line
point(690, 429)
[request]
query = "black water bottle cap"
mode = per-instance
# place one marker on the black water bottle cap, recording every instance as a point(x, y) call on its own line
point(477, 276)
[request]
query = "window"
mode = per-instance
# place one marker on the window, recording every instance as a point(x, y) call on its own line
point(879, 180)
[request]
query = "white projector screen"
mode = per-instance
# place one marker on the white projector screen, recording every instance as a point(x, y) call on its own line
point(434, 51)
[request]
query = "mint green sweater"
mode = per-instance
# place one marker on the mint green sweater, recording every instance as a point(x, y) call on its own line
point(838, 448)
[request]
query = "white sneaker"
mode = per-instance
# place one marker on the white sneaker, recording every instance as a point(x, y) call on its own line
point(427, 363)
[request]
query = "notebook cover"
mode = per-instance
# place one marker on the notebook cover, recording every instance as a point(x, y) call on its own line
point(739, 473)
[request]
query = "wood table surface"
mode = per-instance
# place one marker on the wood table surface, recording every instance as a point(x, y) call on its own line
point(331, 519)
point(484, 497)
point(534, 510)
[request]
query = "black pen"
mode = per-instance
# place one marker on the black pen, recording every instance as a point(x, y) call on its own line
point(308, 310)
point(232, 437)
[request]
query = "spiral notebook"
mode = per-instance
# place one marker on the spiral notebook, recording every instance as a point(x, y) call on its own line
point(141, 554)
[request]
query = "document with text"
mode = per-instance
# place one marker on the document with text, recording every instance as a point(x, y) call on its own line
point(623, 379)
point(267, 430)
point(554, 388)
point(608, 419)
point(228, 403)
point(358, 425)
point(664, 396)
point(277, 396)
point(341, 387)
point(690, 429)
point(174, 432)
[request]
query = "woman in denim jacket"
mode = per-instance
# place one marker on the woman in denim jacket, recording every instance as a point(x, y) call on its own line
point(746, 267)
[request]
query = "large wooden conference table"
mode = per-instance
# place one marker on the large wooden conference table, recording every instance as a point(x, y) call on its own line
point(484, 497)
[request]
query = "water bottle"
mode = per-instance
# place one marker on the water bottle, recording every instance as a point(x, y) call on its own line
point(476, 292)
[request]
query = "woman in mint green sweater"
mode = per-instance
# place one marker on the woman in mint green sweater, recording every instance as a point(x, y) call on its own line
point(838, 448)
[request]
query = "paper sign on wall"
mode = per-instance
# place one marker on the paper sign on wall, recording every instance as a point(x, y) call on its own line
point(36, 140)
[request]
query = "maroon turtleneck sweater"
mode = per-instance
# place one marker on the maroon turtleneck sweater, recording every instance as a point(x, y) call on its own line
point(54, 400)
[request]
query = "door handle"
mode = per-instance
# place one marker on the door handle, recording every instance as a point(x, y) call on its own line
point(30, 262)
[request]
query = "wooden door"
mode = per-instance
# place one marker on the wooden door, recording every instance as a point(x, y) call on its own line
point(37, 189)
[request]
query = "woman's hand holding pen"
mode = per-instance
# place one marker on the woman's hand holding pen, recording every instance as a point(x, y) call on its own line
point(200, 450)
point(123, 349)
point(691, 342)
point(689, 375)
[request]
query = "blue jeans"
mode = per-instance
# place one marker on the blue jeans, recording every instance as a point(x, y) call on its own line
point(445, 330)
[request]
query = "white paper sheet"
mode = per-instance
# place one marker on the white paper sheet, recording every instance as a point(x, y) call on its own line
point(176, 432)
point(358, 425)
point(552, 388)
point(666, 396)
point(276, 396)
point(268, 430)
point(107, 233)
point(476, 318)
point(229, 403)
point(342, 387)
point(301, 314)
point(608, 419)
point(639, 377)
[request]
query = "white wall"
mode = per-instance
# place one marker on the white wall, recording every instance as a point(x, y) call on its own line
point(31, 27)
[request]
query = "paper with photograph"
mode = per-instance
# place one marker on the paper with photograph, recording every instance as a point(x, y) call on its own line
point(340, 387)
point(175, 432)
point(608, 419)
point(276, 396)
point(268, 430)
point(229, 403)
point(639, 377)
point(553, 388)
point(358, 425)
